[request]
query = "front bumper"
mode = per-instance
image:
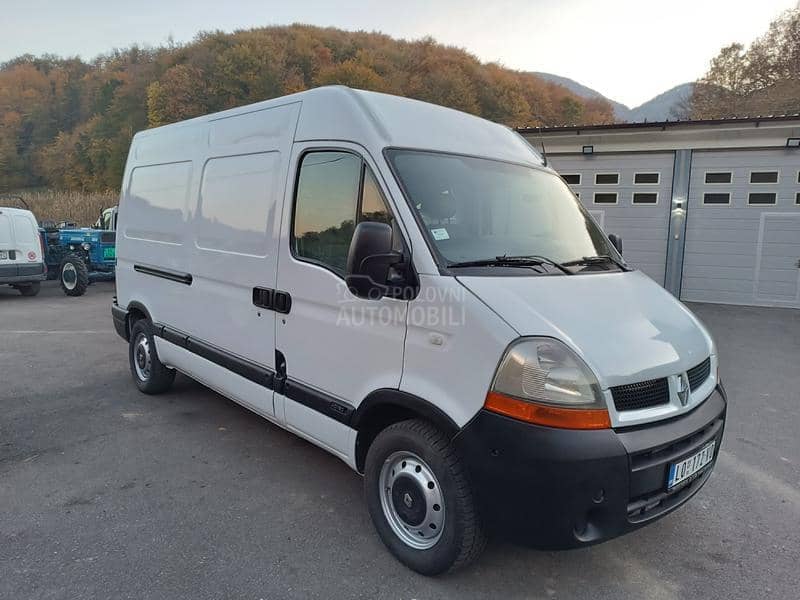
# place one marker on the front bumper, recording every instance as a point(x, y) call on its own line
point(558, 488)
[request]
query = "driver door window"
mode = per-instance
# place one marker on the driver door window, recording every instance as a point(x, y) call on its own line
point(335, 191)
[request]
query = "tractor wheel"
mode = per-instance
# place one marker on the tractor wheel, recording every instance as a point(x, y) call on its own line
point(74, 275)
point(29, 289)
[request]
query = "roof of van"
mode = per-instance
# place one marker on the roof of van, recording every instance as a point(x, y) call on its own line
point(377, 120)
point(8, 210)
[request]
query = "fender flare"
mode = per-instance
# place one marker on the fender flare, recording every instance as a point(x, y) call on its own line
point(385, 406)
point(393, 397)
point(136, 305)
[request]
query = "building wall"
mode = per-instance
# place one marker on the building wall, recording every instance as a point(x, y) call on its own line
point(643, 226)
point(740, 253)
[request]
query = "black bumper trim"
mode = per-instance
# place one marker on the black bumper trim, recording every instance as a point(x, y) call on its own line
point(22, 273)
point(325, 404)
point(244, 368)
point(557, 488)
point(120, 318)
point(22, 279)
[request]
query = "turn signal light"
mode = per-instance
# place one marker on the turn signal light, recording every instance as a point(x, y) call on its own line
point(550, 416)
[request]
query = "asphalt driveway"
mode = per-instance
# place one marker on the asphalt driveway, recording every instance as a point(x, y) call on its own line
point(108, 493)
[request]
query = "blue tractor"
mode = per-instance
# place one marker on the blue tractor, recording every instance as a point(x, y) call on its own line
point(78, 256)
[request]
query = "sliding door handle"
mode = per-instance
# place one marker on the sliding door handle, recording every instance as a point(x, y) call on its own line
point(270, 299)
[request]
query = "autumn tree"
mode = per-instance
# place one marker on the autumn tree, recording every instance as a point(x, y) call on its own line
point(762, 79)
point(69, 123)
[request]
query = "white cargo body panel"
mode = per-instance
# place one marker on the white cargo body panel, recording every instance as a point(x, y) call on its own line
point(204, 197)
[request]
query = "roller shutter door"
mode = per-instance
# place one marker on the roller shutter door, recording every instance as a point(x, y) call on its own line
point(743, 228)
point(639, 212)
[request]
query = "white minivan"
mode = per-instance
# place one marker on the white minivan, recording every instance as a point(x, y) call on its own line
point(22, 263)
point(412, 289)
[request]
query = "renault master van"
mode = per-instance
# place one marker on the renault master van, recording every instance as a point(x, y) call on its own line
point(22, 263)
point(410, 288)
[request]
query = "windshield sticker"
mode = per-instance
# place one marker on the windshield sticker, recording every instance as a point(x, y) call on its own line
point(440, 234)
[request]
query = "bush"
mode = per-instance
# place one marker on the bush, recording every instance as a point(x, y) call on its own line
point(62, 205)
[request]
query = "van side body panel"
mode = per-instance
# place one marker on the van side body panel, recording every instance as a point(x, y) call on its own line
point(199, 229)
point(453, 345)
point(247, 393)
point(205, 217)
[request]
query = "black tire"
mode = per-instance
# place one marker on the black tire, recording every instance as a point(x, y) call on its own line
point(73, 275)
point(30, 289)
point(462, 537)
point(154, 378)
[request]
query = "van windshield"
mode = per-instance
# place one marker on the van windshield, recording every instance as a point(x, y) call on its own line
point(478, 209)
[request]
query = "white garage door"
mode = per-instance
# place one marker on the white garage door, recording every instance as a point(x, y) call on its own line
point(628, 194)
point(743, 228)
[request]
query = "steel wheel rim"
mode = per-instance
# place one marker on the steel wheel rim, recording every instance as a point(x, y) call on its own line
point(406, 480)
point(141, 357)
point(69, 276)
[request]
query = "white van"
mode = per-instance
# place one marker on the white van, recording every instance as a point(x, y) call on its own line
point(21, 252)
point(410, 288)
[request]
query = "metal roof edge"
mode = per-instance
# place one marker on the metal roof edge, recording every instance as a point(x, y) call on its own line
point(659, 124)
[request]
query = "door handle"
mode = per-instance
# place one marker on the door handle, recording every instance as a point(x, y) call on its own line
point(270, 299)
point(282, 302)
point(262, 297)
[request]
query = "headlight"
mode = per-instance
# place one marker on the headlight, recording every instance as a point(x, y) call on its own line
point(86, 246)
point(542, 381)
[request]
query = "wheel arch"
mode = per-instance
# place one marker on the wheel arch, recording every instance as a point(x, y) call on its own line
point(385, 407)
point(135, 311)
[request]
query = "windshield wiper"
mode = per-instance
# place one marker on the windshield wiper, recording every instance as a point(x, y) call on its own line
point(532, 260)
point(596, 260)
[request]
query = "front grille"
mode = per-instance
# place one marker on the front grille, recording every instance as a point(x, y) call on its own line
point(697, 375)
point(635, 396)
point(108, 237)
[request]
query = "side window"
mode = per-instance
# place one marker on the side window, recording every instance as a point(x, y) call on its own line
point(335, 190)
point(373, 206)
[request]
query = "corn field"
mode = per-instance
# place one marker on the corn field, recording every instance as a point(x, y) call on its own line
point(60, 205)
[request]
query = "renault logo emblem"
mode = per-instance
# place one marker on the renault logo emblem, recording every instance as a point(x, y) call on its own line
point(683, 389)
point(407, 500)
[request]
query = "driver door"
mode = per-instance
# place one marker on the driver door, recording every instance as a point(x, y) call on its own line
point(336, 347)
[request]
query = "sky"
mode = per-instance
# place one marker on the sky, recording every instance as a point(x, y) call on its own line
point(629, 50)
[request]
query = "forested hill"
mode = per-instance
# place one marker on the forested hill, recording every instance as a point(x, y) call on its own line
point(67, 123)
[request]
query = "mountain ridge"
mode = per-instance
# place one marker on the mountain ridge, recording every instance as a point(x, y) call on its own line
point(669, 104)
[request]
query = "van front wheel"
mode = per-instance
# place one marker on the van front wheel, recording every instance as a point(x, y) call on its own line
point(149, 373)
point(420, 500)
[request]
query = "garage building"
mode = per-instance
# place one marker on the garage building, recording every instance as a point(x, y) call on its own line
point(709, 209)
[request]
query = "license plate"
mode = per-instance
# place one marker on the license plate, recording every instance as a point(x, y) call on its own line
point(110, 252)
point(683, 470)
point(3, 254)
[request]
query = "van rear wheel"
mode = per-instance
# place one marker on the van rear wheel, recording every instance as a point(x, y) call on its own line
point(30, 289)
point(149, 373)
point(420, 500)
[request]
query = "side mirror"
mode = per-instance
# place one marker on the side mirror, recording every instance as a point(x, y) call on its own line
point(369, 259)
point(616, 241)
